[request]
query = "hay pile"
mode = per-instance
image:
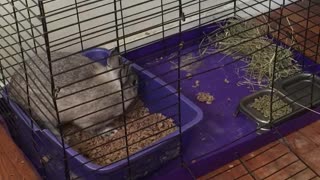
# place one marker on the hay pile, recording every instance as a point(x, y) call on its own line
point(248, 41)
point(141, 133)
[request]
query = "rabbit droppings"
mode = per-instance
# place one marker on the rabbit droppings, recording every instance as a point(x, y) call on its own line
point(83, 96)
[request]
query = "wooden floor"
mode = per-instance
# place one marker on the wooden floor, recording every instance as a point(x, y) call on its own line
point(13, 164)
point(276, 161)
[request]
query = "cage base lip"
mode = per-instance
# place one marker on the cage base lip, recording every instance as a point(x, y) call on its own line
point(244, 107)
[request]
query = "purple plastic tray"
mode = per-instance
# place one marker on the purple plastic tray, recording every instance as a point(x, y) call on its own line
point(151, 90)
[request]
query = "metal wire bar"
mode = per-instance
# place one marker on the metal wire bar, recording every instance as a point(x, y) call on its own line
point(112, 31)
point(24, 91)
point(23, 9)
point(246, 168)
point(264, 165)
point(17, 72)
point(10, 120)
point(110, 22)
point(190, 22)
point(102, 15)
point(53, 88)
point(316, 59)
point(128, 75)
point(317, 51)
point(260, 153)
point(100, 44)
point(122, 93)
point(182, 18)
point(20, 24)
point(274, 62)
point(306, 31)
point(22, 55)
point(185, 166)
point(79, 24)
point(30, 69)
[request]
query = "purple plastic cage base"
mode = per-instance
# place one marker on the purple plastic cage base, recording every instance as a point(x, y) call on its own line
point(97, 54)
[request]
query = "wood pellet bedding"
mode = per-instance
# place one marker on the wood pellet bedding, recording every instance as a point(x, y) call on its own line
point(143, 129)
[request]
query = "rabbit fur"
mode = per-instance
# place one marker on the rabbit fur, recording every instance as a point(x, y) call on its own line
point(94, 105)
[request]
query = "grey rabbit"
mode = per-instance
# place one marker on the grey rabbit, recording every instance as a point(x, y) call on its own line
point(102, 102)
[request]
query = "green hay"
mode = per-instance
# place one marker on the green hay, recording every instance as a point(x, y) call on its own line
point(241, 39)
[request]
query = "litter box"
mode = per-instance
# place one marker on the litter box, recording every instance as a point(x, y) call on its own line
point(151, 89)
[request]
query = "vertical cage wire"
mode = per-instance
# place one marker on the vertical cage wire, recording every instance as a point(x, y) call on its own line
point(54, 90)
point(121, 83)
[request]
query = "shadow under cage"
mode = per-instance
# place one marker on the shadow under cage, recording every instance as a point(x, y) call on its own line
point(154, 89)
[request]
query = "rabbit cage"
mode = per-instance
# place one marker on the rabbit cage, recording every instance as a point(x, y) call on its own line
point(137, 89)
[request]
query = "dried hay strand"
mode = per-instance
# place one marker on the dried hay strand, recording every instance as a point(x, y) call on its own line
point(248, 41)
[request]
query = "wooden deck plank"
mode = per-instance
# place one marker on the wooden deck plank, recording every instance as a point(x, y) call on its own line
point(13, 163)
point(313, 159)
point(305, 174)
point(311, 131)
point(288, 171)
point(300, 143)
point(266, 157)
point(276, 161)
point(275, 166)
point(221, 170)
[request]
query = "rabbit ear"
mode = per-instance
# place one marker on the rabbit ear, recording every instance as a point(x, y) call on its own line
point(114, 59)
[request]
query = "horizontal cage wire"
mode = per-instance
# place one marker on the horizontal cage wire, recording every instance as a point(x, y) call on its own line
point(121, 89)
